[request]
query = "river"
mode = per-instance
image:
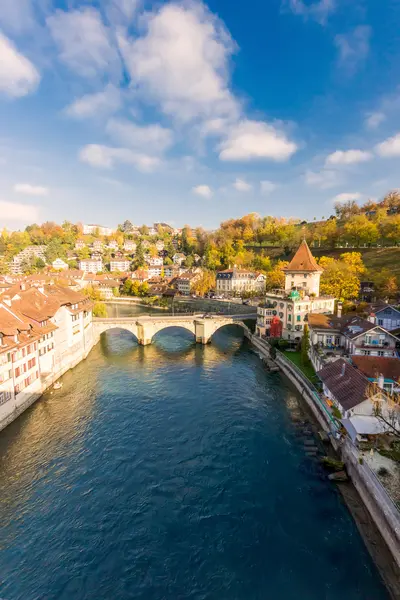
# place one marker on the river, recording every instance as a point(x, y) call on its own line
point(173, 472)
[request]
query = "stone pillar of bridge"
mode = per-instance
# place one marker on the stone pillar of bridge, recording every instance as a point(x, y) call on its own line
point(143, 334)
point(204, 328)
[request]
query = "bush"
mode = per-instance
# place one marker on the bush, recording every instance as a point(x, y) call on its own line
point(383, 472)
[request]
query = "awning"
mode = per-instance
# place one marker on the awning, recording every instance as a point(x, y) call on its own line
point(363, 425)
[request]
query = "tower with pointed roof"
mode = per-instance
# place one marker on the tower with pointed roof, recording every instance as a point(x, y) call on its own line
point(303, 272)
point(300, 297)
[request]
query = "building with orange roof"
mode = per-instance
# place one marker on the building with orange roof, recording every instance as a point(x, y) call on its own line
point(44, 331)
point(299, 297)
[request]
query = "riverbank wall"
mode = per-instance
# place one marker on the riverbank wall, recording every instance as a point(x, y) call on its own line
point(11, 410)
point(384, 512)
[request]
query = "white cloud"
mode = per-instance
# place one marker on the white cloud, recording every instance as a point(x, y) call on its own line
point(93, 105)
point(390, 147)
point(346, 196)
point(353, 47)
point(324, 179)
point(24, 213)
point(30, 190)
point(318, 10)
point(348, 157)
point(18, 76)
point(249, 140)
point(153, 138)
point(84, 42)
point(267, 187)
point(374, 119)
point(202, 190)
point(181, 62)
point(106, 157)
point(242, 186)
point(16, 15)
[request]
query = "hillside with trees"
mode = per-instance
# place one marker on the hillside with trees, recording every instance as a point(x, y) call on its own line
point(264, 244)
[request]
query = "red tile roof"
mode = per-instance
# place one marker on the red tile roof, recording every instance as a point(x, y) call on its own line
point(373, 366)
point(303, 260)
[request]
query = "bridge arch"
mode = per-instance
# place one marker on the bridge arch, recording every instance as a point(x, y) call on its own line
point(240, 324)
point(155, 328)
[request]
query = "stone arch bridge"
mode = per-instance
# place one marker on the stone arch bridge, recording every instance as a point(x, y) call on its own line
point(146, 327)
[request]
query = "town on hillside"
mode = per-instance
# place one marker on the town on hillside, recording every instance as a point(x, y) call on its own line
point(321, 300)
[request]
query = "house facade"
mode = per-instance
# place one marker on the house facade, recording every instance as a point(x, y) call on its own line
point(91, 265)
point(235, 282)
point(299, 298)
point(59, 264)
point(120, 264)
point(386, 316)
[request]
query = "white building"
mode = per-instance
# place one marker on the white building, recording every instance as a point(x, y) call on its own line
point(120, 264)
point(179, 258)
point(288, 309)
point(28, 253)
point(129, 246)
point(234, 282)
point(160, 245)
point(59, 265)
point(113, 245)
point(43, 333)
point(97, 229)
point(155, 271)
point(91, 265)
point(186, 281)
point(80, 245)
point(154, 261)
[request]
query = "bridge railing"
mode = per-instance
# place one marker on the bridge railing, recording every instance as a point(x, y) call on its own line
point(177, 317)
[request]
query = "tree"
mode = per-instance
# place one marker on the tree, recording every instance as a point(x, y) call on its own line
point(338, 279)
point(276, 276)
point(354, 261)
point(305, 346)
point(360, 230)
point(144, 289)
point(205, 283)
point(99, 310)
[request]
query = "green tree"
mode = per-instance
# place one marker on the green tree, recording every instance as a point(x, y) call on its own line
point(205, 283)
point(360, 230)
point(99, 310)
point(305, 346)
point(338, 279)
point(144, 289)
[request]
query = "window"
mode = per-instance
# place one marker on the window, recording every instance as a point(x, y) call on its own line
point(17, 371)
point(289, 317)
point(381, 353)
point(298, 318)
point(380, 321)
point(367, 352)
point(5, 397)
point(31, 363)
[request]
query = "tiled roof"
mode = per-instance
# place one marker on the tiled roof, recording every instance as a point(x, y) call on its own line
point(345, 383)
point(303, 260)
point(373, 366)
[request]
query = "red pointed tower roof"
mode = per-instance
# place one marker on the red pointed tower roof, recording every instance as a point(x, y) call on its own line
point(303, 260)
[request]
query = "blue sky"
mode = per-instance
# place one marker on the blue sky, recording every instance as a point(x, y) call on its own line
point(189, 112)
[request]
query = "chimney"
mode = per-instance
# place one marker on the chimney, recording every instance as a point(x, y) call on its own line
point(343, 369)
point(339, 309)
point(6, 299)
point(22, 286)
point(372, 318)
point(381, 381)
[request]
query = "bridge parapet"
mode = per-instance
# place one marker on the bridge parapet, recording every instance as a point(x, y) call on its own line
point(145, 328)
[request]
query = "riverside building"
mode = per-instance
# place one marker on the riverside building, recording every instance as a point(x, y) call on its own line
point(44, 332)
point(286, 310)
